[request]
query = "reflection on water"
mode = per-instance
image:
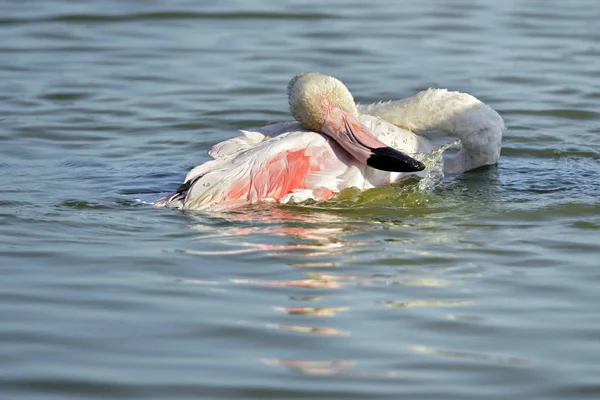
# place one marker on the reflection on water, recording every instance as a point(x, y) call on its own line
point(321, 234)
point(334, 367)
point(319, 230)
point(331, 242)
point(304, 283)
point(474, 356)
point(424, 303)
point(327, 239)
point(312, 330)
point(313, 311)
point(467, 291)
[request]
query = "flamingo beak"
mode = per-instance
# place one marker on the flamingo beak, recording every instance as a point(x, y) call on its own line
point(360, 142)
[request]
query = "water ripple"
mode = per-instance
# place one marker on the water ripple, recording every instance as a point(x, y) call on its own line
point(169, 15)
point(469, 289)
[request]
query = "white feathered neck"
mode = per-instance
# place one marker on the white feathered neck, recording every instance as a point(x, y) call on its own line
point(477, 125)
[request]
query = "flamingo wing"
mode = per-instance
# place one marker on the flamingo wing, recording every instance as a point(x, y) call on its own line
point(253, 168)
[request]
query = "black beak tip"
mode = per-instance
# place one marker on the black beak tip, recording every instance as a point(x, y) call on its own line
point(389, 159)
point(418, 165)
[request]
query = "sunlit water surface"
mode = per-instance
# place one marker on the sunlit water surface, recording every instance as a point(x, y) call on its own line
point(484, 288)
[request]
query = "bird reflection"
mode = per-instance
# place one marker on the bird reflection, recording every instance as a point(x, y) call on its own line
point(316, 234)
point(312, 330)
point(332, 367)
point(318, 311)
point(304, 283)
point(329, 255)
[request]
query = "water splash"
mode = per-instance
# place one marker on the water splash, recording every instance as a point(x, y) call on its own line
point(434, 162)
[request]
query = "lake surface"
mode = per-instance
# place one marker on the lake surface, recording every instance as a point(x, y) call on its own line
point(486, 287)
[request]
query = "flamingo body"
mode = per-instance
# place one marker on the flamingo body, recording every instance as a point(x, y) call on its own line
point(288, 163)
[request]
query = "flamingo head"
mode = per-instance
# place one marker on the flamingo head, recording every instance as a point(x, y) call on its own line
point(322, 103)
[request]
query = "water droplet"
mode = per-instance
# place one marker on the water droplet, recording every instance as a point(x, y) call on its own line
point(206, 184)
point(435, 166)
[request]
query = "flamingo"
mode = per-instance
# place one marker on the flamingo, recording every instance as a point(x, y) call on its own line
point(335, 144)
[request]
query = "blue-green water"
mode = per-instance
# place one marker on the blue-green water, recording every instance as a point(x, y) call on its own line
point(486, 288)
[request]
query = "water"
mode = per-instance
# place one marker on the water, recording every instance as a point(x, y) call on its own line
point(484, 288)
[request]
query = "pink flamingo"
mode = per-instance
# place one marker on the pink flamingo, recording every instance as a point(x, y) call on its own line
point(332, 146)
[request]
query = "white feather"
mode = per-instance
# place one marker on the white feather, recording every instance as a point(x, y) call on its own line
point(239, 159)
